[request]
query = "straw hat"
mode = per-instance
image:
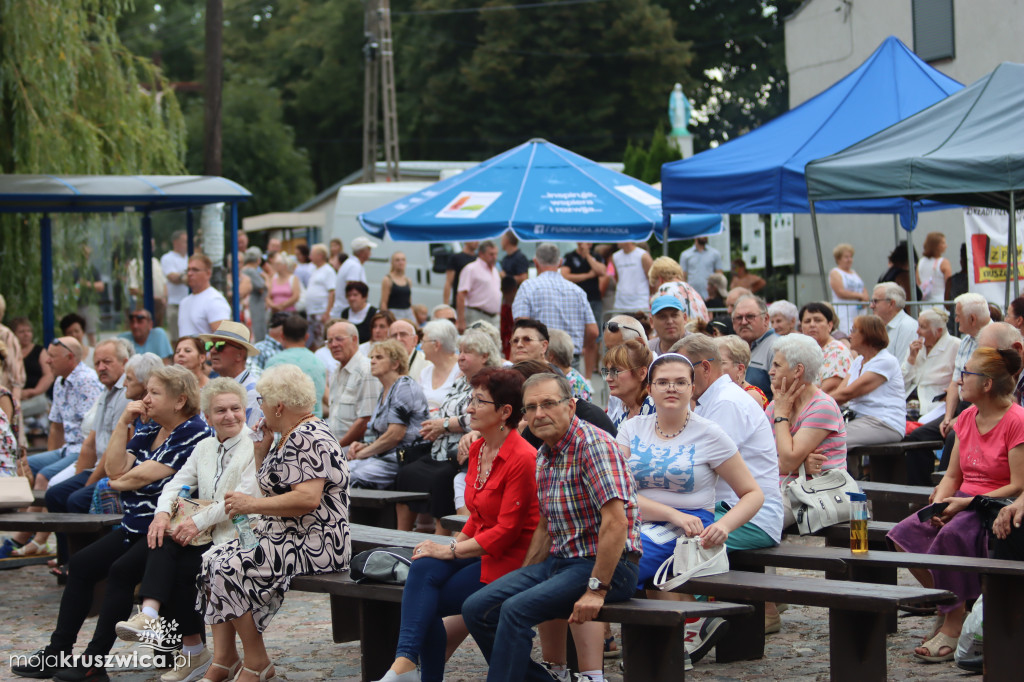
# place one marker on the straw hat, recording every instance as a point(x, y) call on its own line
point(235, 332)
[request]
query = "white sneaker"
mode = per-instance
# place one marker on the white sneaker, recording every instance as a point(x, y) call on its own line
point(193, 669)
point(392, 676)
point(562, 675)
point(702, 636)
point(138, 628)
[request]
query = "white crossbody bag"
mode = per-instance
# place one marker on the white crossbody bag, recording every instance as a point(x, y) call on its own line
point(690, 559)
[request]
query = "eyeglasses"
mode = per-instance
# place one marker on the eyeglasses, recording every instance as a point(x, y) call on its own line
point(58, 342)
point(666, 384)
point(522, 340)
point(401, 335)
point(876, 301)
point(614, 372)
point(217, 345)
point(745, 318)
point(615, 327)
point(547, 405)
point(477, 402)
point(977, 374)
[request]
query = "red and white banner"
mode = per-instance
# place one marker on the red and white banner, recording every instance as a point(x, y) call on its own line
point(987, 250)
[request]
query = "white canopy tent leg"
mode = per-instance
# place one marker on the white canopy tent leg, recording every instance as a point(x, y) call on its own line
point(817, 251)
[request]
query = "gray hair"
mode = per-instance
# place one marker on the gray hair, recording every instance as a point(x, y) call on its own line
point(220, 386)
point(444, 332)
point(784, 308)
point(563, 384)
point(736, 348)
point(973, 304)
point(798, 349)
point(895, 293)
point(934, 317)
point(142, 365)
point(480, 342)
point(548, 255)
point(252, 255)
point(630, 322)
point(761, 305)
point(485, 245)
point(350, 329)
point(123, 348)
point(718, 281)
point(697, 347)
point(438, 308)
point(1004, 333)
point(560, 347)
point(288, 385)
point(487, 328)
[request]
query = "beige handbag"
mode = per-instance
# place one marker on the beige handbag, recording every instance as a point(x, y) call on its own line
point(185, 508)
point(15, 490)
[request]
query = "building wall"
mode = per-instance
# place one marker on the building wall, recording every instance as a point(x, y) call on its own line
point(825, 41)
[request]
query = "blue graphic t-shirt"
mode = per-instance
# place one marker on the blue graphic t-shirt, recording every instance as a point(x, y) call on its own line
point(677, 472)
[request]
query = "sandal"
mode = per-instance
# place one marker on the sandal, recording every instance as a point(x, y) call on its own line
point(232, 671)
point(27, 550)
point(610, 650)
point(936, 644)
point(262, 674)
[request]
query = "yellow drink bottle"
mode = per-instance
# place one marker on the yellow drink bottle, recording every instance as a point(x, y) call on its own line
point(858, 523)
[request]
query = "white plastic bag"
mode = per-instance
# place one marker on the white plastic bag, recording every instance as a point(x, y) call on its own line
point(970, 643)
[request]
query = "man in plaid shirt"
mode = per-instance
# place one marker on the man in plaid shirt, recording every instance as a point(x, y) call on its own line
point(586, 546)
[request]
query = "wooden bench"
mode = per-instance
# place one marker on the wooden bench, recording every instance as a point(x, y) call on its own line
point(857, 616)
point(377, 507)
point(895, 502)
point(81, 529)
point(652, 630)
point(888, 461)
point(1002, 587)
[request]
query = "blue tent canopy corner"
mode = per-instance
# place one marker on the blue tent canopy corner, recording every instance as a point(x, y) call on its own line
point(541, 192)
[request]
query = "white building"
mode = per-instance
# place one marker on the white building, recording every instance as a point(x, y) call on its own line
point(827, 39)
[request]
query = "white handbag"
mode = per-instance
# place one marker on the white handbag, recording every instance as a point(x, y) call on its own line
point(690, 560)
point(821, 501)
point(16, 490)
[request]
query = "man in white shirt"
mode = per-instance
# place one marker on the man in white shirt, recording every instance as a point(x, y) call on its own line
point(887, 301)
point(174, 263)
point(738, 414)
point(201, 310)
point(354, 391)
point(632, 290)
point(352, 270)
point(928, 366)
point(319, 294)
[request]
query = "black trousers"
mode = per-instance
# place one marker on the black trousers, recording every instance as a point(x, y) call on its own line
point(921, 463)
point(119, 558)
point(170, 578)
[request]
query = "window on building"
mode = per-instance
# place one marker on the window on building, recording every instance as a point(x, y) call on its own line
point(933, 29)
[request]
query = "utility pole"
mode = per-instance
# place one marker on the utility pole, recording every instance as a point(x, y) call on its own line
point(378, 52)
point(213, 82)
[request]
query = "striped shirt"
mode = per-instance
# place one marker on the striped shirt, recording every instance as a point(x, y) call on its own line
point(820, 412)
point(575, 479)
point(557, 302)
point(968, 344)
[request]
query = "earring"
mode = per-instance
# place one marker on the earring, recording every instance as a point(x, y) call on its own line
point(277, 414)
point(501, 428)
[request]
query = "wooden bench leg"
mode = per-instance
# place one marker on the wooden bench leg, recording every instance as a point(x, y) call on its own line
point(856, 645)
point(879, 575)
point(344, 628)
point(1003, 625)
point(378, 637)
point(745, 639)
point(890, 469)
point(653, 654)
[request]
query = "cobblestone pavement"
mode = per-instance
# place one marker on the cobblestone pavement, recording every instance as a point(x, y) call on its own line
point(299, 641)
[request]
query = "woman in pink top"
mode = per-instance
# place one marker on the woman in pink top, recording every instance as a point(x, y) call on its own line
point(808, 425)
point(284, 286)
point(987, 459)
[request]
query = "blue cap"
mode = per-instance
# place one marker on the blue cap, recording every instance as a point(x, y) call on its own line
point(858, 497)
point(666, 301)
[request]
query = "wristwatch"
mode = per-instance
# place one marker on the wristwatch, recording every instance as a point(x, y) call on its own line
point(595, 584)
point(781, 419)
point(445, 423)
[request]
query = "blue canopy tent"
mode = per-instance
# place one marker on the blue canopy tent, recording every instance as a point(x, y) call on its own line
point(48, 194)
point(541, 192)
point(763, 171)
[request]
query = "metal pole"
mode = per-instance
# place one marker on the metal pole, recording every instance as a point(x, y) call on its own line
point(1013, 241)
point(664, 243)
point(911, 265)
point(190, 230)
point(895, 229)
point(46, 246)
point(235, 311)
point(817, 251)
point(147, 264)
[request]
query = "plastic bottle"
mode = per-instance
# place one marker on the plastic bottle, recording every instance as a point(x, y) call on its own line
point(858, 523)
point(185, 492)
point(246, 537)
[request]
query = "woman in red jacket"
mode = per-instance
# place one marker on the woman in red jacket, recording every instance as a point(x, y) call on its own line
point(501, 494)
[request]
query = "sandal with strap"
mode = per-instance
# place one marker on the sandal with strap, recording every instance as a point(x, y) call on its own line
point(232, 671)
point(262, 674)
point(936, 644)
point(30, 549)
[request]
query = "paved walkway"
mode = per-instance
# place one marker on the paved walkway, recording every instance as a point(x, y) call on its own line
point(299, 641)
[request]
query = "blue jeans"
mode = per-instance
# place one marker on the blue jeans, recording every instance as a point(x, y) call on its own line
point(509, 608)
point(51, 463)
point(434, 589)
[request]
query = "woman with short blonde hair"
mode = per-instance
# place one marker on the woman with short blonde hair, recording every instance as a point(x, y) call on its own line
point(846, 286)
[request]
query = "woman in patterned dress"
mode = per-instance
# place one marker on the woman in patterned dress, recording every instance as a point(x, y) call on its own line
point(818, 321)
point(302, 525)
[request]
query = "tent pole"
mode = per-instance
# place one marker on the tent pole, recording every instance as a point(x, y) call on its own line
point(235, 311)
point(817, 250)
point(147, 264)
point(46, 246)
point(1013, 242)
point(664, 242)
point(190, 231)
point(911, 269)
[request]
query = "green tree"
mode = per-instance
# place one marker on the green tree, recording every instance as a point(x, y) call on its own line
point(73, 99)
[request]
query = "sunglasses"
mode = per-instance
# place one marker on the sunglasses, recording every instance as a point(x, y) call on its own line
point(58, 342)
point(217, 345)
point(615, 327)
point(138, 318)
